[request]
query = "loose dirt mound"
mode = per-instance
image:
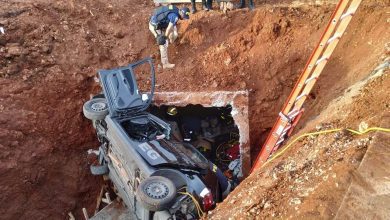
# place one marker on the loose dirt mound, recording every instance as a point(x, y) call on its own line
point(51, 50)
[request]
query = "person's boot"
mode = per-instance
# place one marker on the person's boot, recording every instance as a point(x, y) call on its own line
point(193, 10)
point(166, 64)
point(204, 5)
point(241, 4)
point(251, 5)
point(164, 57)
point(209, 4)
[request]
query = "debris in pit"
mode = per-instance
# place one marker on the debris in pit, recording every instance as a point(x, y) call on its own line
point(295, 201)
point(363, 126)
point(13, 49)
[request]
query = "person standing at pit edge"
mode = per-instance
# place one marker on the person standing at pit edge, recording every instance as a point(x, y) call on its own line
point(207, 5)
point(251, 5)
point(162, 24)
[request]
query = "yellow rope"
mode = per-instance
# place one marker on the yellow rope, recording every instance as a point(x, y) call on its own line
point(324, 132)
point(198, 208)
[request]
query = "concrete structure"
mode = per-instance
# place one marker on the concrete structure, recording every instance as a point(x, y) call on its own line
point(237, 99)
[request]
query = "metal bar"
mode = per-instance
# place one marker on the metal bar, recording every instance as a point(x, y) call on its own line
point(288, 127)
point(351, 12)
point(336, 36)
point(310, 79)
point(279, 141)
point(284, 117)
point(268, 146)
point(293, 113)
point(324, 58)
point(295, 122)
point(300, 96)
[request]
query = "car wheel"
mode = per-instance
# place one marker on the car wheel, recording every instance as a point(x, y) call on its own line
point(156, 193)
point(100, 95)
point(95, 109)
point(99, 170)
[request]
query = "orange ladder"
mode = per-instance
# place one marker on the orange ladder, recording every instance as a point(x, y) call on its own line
point(292, 109)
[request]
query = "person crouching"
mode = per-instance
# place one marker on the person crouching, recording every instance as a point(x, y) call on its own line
point(162, 24)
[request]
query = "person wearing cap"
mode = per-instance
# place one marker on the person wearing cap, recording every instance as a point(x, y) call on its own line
point(162, 24)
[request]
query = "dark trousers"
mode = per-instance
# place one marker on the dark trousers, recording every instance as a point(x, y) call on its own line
point(193, 4)
point(205, 3)
point(209, 4)
point(251, 4)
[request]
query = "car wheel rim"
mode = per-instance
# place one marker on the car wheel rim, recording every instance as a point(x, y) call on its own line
point(157, 190)
point(99, 106)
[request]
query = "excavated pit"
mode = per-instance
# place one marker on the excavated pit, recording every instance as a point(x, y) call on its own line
point(51, 51)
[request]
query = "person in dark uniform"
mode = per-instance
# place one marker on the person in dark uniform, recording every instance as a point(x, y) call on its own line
point(251, 5)
point(193, 5)
point(209, 5)
point(206, 4)
point(162, 24)
point(224, 183)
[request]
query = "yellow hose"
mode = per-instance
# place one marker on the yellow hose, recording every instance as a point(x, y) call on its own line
point(323, 132)
point(198, 208)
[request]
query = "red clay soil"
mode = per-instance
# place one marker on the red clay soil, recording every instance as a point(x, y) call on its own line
point(51, 51)
point(310, 180)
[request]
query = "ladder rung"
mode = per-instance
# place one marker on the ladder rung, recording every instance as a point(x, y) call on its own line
point(322, 59)
point(335, 37)
point(285, 117)
point(348, 13)
point(293, 113)
point(300, 96)
point(283, 133)
point(279, 141)
point(311, 78)
point(287, 128)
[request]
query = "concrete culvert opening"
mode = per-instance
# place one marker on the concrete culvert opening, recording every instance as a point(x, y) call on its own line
point(211, 130)
point(219, 118)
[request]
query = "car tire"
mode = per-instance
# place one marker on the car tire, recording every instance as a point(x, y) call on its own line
point(156, 193)
point(99, 170)
point(100, 95)
point(95, 109)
